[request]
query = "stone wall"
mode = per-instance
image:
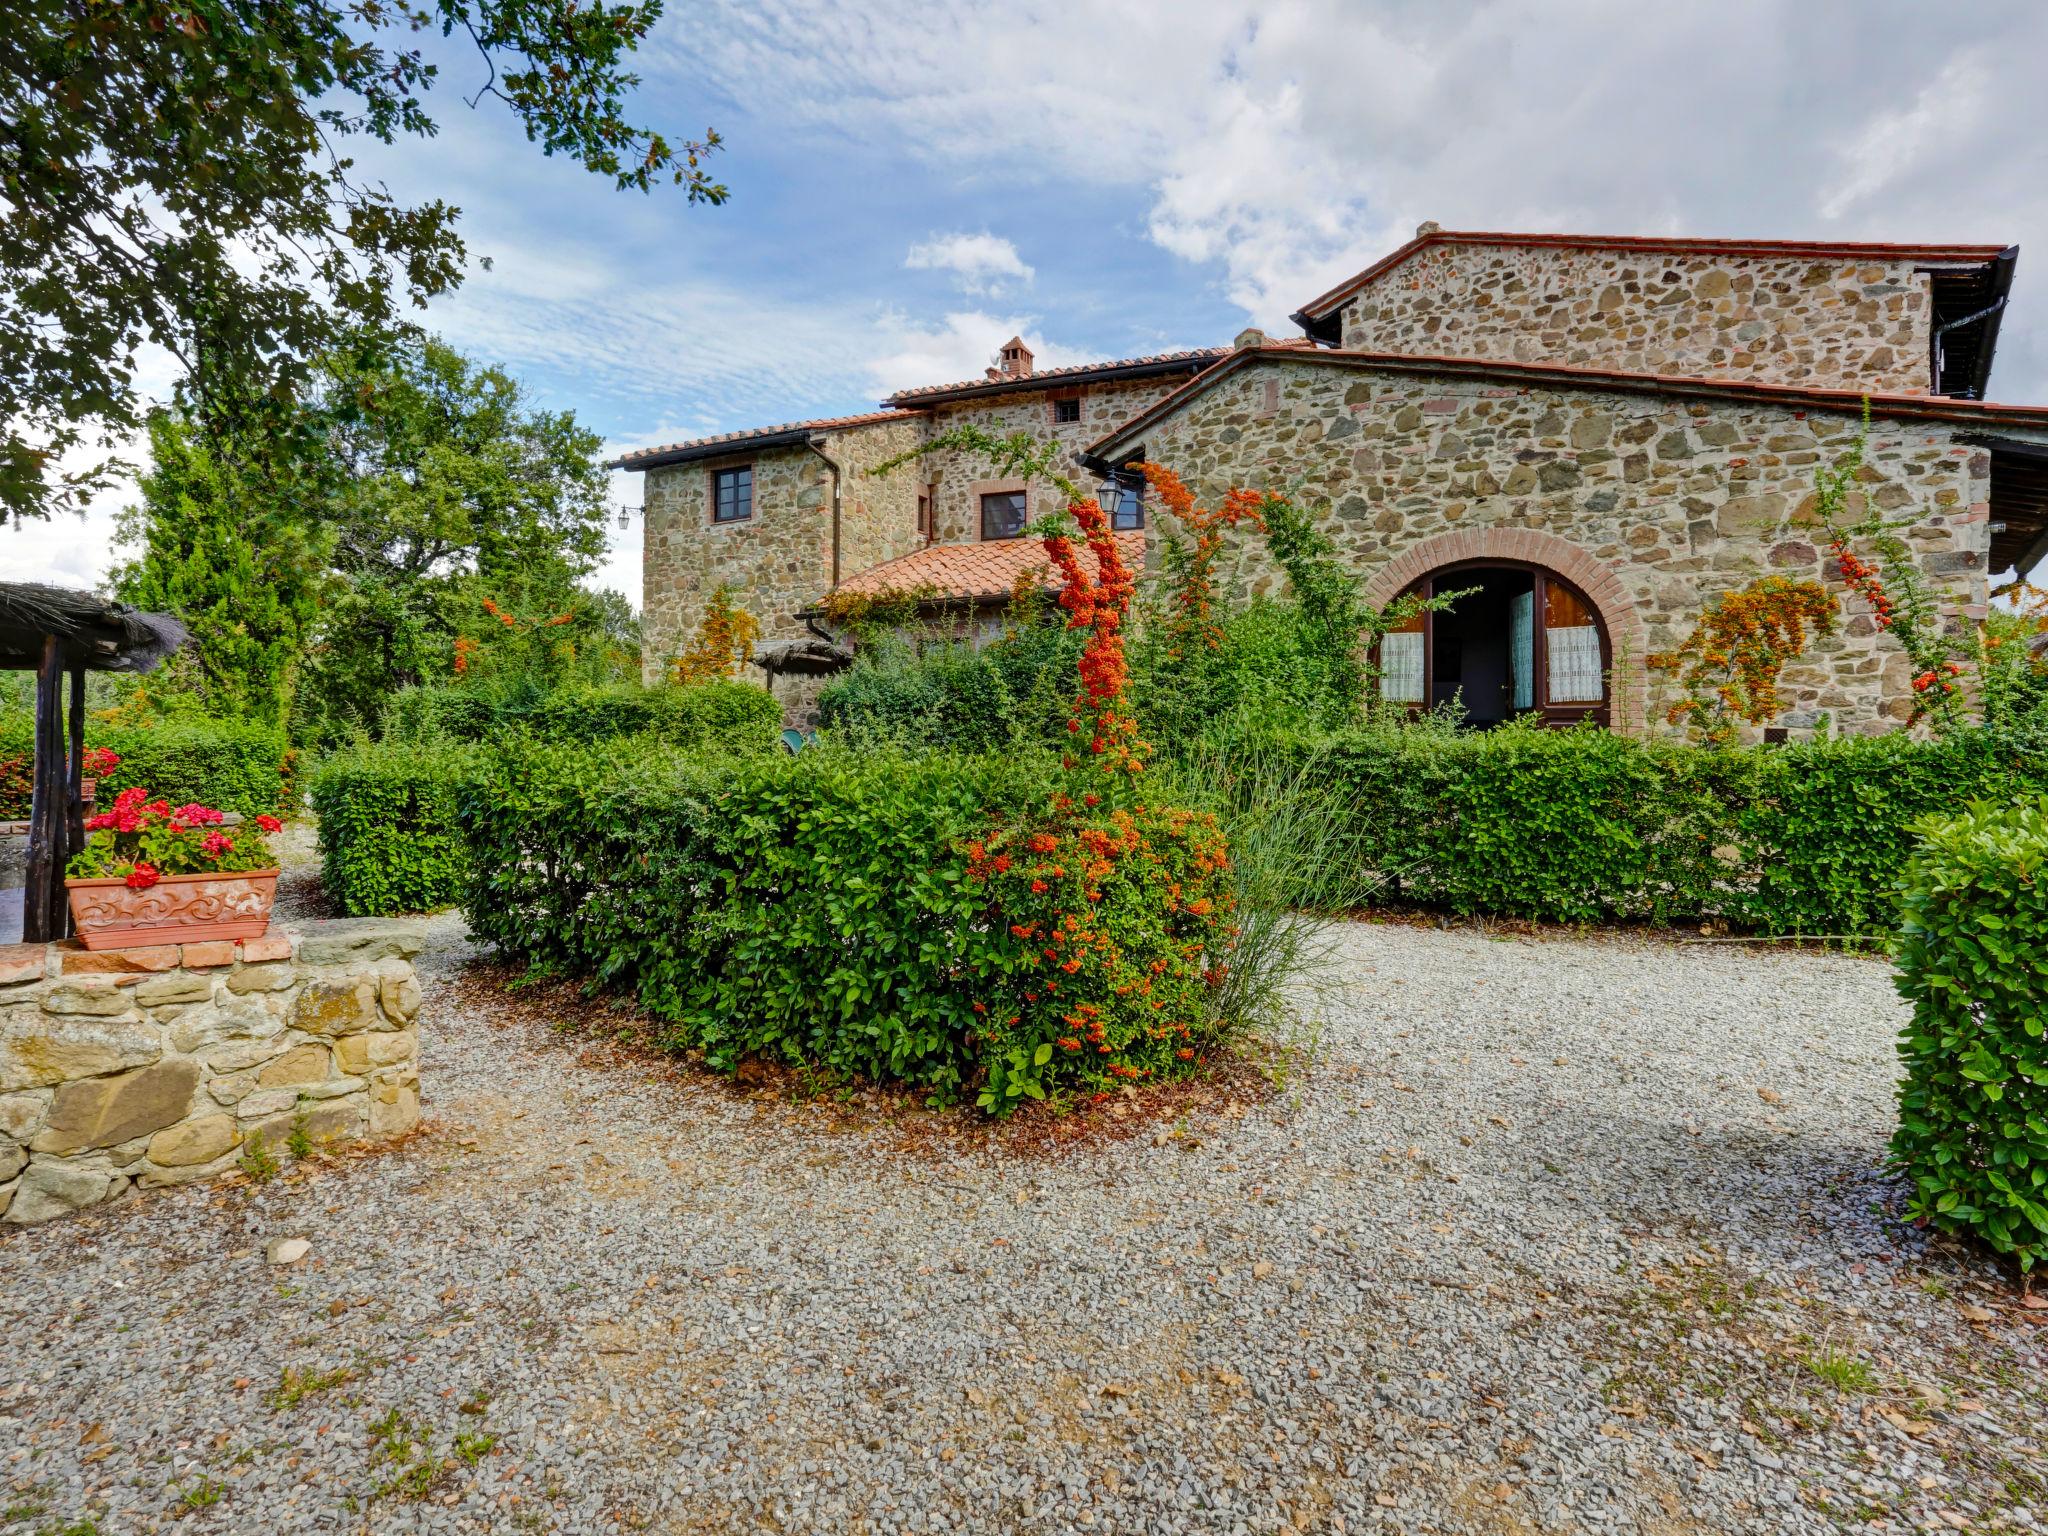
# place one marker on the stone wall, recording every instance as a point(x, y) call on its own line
point(1669, 502)
point(133, 1068)
point(777, 562)
point(1856, 325)
point(962, 475)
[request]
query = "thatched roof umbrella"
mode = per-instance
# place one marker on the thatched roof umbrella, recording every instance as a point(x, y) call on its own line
point(55, 632)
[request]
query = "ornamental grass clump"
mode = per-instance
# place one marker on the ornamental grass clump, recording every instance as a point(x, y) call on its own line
point(1973, 962)
point(141, 840)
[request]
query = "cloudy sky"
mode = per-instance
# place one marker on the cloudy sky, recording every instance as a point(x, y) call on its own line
point(913, 184)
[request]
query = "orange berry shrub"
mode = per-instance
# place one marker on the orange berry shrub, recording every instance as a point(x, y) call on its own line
point(1728, 669)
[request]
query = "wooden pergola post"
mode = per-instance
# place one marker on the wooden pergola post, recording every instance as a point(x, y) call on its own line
point(44, 915)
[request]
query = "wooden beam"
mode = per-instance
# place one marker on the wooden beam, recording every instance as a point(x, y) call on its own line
point(43, 904)
point(74, 776)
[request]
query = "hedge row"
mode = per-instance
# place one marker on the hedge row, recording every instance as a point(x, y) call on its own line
point(1973, 962)
point(719, 716)
point(388, 839)
point(942, 921)
point(1584, 826)
point(233, 765)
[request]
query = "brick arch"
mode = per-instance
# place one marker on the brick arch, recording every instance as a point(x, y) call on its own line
point(1595, 578)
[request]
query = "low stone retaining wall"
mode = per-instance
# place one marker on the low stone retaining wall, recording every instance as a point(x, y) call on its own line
point(140, 1067)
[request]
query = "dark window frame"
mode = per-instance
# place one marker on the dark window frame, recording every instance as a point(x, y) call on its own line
point(1130, 510)
point(1023, 510)
point(719, 478)
point(1066, 410)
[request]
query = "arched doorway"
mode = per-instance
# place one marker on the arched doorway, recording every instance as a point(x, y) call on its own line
point(1520, 639)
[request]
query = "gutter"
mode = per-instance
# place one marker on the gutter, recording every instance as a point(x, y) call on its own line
point(815, 444)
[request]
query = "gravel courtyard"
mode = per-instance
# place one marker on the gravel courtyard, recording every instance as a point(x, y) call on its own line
point(1555, 1235)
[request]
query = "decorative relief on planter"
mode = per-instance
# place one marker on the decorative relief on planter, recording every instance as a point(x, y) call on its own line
point(176, 909)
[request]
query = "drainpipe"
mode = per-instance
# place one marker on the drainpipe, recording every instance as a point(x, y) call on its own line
point(816, 445)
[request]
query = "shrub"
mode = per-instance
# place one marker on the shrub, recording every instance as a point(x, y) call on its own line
point(388, 838)
point(236, 765)
point(720, 715)
point(949, 922)
point(1585, 826)
point(1973, 962)
point(957, 696)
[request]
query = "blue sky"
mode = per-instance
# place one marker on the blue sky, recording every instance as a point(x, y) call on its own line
point(913, 184)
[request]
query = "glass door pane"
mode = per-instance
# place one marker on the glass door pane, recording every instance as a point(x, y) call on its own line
point(1401, 657)
point(1571, 647)
point(1522, 650)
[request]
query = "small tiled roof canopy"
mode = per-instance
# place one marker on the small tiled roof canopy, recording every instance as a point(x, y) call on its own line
point(973, 573)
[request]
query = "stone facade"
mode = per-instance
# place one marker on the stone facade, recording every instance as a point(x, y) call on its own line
point(1860, 324)
point(779, 562)
point(1652, 505)
point(135, 1068)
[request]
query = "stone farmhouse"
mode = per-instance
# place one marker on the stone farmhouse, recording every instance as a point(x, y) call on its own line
point(1597, 435)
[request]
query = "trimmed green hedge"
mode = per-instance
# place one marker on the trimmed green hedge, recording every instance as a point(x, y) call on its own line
point(1584, 826)
point(388, 838)
point(942, 921)
point(232, 765)
point(1973, 962)
point(718, 716)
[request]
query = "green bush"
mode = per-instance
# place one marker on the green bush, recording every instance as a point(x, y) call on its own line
point(388, 838)
point(1973, 962)
point(1585, 826)
point(957, 696)
point(719, 716)
point(233, 765)
point(944, 921)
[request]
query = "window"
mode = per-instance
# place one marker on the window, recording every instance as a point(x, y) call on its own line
point(1130, 511)
point(925, 498)
point(1064, 411)
point(732, 494)
point(1002, 514)
point(1518, 640)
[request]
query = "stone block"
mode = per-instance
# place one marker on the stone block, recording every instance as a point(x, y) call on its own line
point(240, 1055)
point(13, 1158)
point(241, 1018)
point(74, 959)
point(21, 1114)
point(161, 990)
point(103, 1111)
point(90, 997)
point(194, 1141)
point(260, 978)
point(37, 1050)
point(395, 1115)
point(205, 956)
point(400, 996)
point(301, 1064)
point(266, 1101)
point(359, 940)
point(20, 962)
point(51, 1188)
point(338, 1007)
point(271, 946)
point(360, 1053)
point(336, 1120)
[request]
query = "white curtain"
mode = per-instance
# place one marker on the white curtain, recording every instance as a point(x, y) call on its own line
point(1522, 650)
point(1401, 667)
point(1574, 659)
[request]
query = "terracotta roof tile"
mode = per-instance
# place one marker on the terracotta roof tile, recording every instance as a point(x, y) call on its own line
point(697, 447)
point(1074, 372)
point(975, 572)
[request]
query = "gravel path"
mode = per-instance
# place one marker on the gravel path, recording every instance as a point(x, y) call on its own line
point(1558, 1235)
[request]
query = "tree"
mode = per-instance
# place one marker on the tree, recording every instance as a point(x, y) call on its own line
point(445, 491)
point(177, 172)
point(222, 551)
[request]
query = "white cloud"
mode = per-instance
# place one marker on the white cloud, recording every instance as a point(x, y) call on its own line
point(982, 263)
point(1282, 146)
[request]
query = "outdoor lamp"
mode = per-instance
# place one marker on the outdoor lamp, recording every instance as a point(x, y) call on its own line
point(1110, 495)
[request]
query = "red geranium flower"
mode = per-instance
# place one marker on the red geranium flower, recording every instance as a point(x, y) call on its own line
point(142, 876)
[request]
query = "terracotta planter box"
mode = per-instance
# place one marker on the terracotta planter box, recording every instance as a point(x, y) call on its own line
point(178, 909)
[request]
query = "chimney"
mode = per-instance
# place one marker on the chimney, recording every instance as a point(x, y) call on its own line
point(1427, 228)
point(1015, 359)
point(1249, 339)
